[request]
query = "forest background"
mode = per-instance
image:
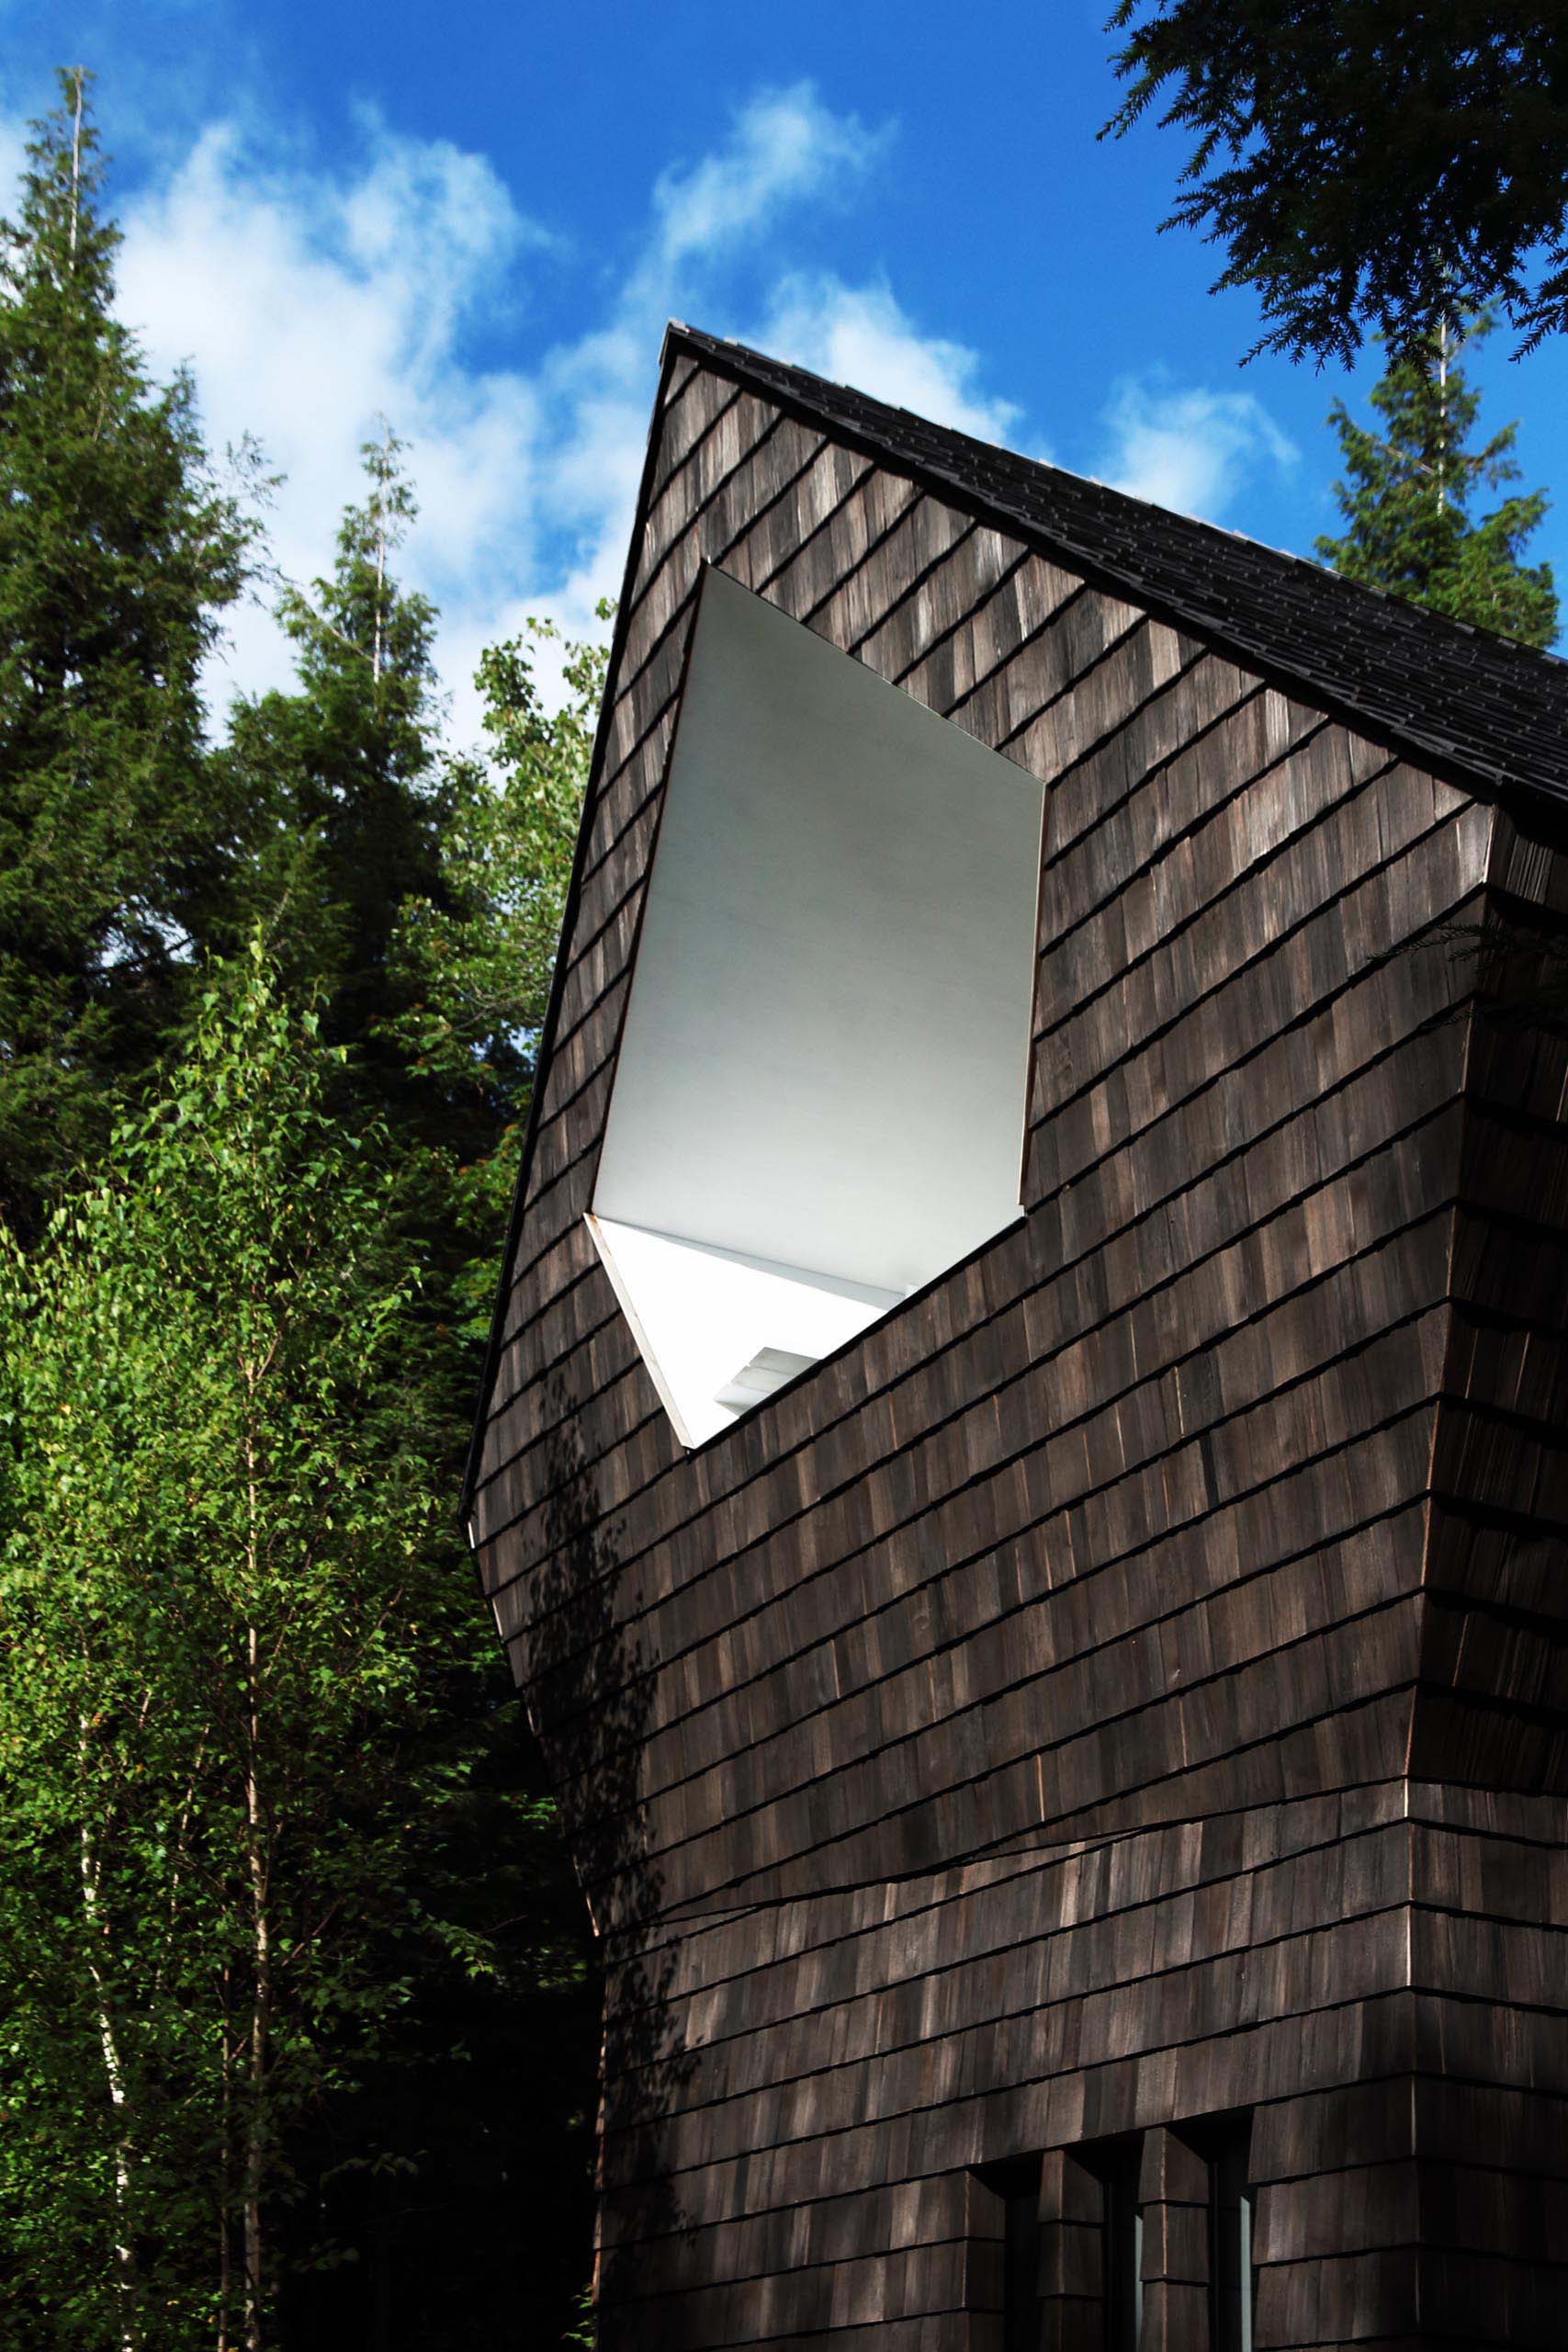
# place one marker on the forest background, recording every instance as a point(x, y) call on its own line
point(300, 2021)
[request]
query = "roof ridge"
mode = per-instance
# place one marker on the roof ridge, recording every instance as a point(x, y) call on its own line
point(1465, 701)
point(718, 347)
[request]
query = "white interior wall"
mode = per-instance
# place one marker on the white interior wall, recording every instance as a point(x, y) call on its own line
point(702, 1314)
point(825, 1053)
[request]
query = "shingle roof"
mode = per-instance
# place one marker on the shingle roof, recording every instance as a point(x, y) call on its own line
point(1478, 708)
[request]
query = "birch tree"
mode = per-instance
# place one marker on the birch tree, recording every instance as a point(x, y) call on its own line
point(224, 1635)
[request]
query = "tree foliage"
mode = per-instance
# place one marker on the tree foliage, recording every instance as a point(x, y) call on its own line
point(418, 892)
point(245, 1680)
point(119, 554)
point(472, 958)
point(1407, 492)
point(1367, 166)
point(254, 1820)
point(343, 772)
point(224, 1626)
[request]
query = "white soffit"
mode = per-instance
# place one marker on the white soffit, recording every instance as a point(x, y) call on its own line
point(819, 1094)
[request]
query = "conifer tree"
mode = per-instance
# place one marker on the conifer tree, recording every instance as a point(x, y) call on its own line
point(1365, 165)
point(118, 555)
point(415, 899)
point(417, 893)
point(419, 896)
point(345, 770)
point(1407, 493)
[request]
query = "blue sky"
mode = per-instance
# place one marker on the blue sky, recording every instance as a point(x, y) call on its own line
point(476, 219)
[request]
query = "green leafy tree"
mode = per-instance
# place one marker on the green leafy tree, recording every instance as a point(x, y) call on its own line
point(420, 895)
point(419, 2175)
point(472, 959)
point(1366, 167)
point(227, 1650)
point(118, 555)
point(1407, 492)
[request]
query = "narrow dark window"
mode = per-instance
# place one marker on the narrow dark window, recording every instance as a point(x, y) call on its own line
point(1121, 2239)
point(1022, 2317)
point(1230, 2245)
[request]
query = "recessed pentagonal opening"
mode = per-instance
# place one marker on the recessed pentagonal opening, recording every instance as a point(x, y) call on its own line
point(818, 1102)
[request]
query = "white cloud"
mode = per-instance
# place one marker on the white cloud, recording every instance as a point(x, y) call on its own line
point(311, 302)
point(309, 305)
point(311, 299)
point(858, 335)
point(13, 139)
point(784, 145)
point(1194, 449)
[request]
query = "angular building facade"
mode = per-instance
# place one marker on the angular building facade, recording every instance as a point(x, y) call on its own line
point(1023, 1469)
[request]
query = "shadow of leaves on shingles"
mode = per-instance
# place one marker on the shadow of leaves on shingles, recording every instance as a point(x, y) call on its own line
point(594, 1693)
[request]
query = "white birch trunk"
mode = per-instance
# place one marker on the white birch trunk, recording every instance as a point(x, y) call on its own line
point(261, 2023)
point(114, 2073)
point(256, 1856)
point(1443, 416)
point(78, 81)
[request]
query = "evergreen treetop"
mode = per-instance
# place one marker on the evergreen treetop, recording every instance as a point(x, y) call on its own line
point(119, 554)
point(1408, 490)
point(1366, 166)
point(347, 766)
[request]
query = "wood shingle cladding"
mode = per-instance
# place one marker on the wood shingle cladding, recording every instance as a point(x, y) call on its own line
point(1125, 1687)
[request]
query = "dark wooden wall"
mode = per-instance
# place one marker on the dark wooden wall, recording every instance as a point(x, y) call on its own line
point(1125, 1687)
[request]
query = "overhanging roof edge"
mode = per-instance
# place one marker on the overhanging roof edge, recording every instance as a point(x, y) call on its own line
point(939, 458)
